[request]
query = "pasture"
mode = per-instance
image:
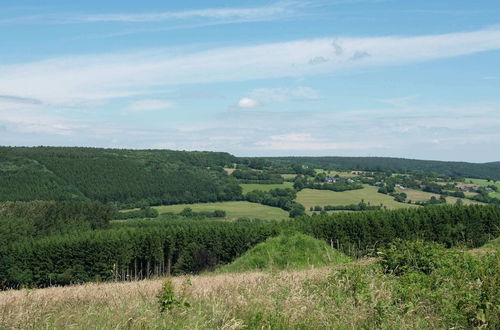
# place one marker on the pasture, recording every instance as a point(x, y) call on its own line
point(234, 210)
point(422, 196)
point(312, 197)
point(264, 187)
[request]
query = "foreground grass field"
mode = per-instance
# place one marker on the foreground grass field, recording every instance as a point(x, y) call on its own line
point(234, 210)
point(459, 293)
point(264, 187)
point(312, 197)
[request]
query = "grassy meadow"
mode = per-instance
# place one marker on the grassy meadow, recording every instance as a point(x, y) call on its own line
point(421, 196)
point(312, 197)
point(234, 210)
point(264, 187)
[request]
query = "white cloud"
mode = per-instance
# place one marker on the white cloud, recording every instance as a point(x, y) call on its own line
point(76, 80)
point(247, 102)
point(150, 105)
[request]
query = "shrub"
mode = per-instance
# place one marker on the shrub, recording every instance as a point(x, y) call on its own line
point(167, 299)
point(416, 256)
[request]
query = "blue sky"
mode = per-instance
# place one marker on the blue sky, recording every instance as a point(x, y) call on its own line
point(416, 79)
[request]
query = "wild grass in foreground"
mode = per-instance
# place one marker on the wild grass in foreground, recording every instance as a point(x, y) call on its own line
point(406, 289)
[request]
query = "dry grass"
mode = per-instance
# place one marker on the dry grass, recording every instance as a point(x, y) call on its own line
point(321, 298)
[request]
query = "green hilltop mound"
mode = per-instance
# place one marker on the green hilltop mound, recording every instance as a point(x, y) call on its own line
point(287, 251)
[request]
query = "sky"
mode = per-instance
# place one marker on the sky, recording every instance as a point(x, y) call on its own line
point(398, 78)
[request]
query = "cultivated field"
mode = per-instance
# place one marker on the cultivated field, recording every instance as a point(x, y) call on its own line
point(264, 187)
point(234, 210)
point(312, 197)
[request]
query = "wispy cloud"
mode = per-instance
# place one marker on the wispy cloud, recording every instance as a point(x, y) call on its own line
point(75, 80)
point(229, 14)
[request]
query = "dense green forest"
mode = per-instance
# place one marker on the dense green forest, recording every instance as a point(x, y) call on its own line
point(380, 164)
point(171, 244)
point(129, 178)
point(135, 178)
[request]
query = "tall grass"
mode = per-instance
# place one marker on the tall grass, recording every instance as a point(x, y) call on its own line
point(460, 291)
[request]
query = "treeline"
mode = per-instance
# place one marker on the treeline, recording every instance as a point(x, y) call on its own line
point(189, 213)
point(384, 164)
point(138, 249)
point(27, 220)
point(364, 232)
point(250, 176)
point(143, 212)
point(128, 178)
point(361, 206)
point(135, 249)
point(278, 197)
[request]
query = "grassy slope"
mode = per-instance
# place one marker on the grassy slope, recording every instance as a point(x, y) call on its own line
point(234, 210)
point(297, 251)
point(264, 187)
point(312, 197)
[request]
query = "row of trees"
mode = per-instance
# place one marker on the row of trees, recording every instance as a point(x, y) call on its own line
point(138, 249)
point(251, 176)
point(282, 198)
point(26, 220)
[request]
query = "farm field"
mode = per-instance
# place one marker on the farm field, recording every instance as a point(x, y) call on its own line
point(482, 182)
point(312, 197)
point(264, 187)
point(234, 210)
point(421, 196)
point(288, 176)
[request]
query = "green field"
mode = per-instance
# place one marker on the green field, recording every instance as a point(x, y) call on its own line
point(288, 176)
point(264, 187)
point(312, 197)
point(484, 183)
point(234, 210)
point(422, 196)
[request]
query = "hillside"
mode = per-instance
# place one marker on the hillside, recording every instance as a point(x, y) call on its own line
point(400, 165)
point(125, 177)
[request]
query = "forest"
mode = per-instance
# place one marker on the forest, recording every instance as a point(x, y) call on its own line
point(127, 178)
point(138, 249)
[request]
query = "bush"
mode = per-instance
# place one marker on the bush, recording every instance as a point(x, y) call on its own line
point(418, 256)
